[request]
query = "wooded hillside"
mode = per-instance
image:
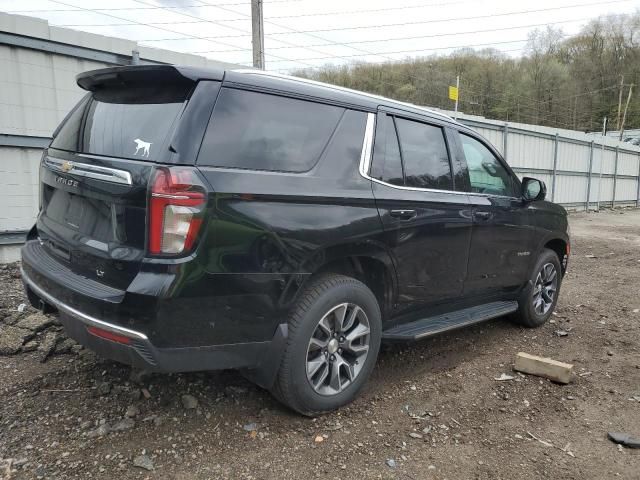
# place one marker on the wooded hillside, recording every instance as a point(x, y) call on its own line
point(564, 81)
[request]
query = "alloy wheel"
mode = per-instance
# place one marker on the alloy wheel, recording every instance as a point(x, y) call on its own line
point(545, 288)
point(338, 349)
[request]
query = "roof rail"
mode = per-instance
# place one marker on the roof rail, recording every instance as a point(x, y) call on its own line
point(342, 89)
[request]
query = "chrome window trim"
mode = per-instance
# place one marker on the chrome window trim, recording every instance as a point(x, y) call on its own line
point(367, 145)
point(83, 317)
point(106, 174)
point(365, 161)
point(365, 166)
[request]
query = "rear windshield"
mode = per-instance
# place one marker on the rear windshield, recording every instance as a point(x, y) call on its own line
point(131, 122)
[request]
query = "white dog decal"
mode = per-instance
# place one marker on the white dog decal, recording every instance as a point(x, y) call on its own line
point(144, 145)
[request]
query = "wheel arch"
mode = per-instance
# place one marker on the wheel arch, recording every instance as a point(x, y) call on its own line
point(369, 263)
point(560, 247)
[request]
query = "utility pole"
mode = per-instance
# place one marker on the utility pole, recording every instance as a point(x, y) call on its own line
point(620, 101)
point(604, 134)
point(624, 116)
point(257, 34)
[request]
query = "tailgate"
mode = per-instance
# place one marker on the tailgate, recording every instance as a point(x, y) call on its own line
point(93, 216)
point(95, 176)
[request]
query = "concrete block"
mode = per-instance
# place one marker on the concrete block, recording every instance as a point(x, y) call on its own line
point(544, 367)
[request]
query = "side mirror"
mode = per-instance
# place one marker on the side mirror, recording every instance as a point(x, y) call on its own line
point(533, 189)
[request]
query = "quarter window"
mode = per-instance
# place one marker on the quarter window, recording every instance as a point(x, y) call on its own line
point(267, 132)
point(387, 164)
point(424, 155)
point(486, 173)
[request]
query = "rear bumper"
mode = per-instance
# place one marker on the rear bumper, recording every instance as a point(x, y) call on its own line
point(261, 357)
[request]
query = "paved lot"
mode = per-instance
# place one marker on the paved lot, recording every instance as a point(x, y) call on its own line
point(432, 410)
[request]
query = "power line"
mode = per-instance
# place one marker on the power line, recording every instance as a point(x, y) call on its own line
point(193, 37)
point(317, 14)
point(373, 10)
point(177, 7)
point(231, 27)
point(422, 22)
point(149, 26)
point(413, 37)
point(235, 28)
point(316, 36)
point(381, 54)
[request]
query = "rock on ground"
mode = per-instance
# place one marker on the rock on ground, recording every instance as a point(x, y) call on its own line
point(48, 345)
point(11, 339)
point(65, 346)
point(132, 411)
point(143, 461)
point(101, 431)
point(35, 322)
point(124, 424)
point(189, 402)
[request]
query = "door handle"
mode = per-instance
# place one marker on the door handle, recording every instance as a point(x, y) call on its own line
point(482, 215)
point(403, 214)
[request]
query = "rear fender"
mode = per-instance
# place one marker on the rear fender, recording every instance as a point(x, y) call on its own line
point(348, 252)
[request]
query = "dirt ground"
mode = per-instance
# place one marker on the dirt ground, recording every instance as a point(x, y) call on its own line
point(433, 409)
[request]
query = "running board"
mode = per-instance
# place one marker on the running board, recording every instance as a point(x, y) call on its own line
point(449, 321)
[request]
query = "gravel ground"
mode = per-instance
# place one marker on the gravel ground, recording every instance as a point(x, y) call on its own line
point(433, 409)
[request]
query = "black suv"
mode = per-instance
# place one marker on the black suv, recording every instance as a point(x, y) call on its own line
point(198, 219)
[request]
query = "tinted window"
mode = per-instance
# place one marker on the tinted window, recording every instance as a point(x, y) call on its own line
point(267, 132)
point(341, 157)
point(424, 155)
point(486, 173)
point(387, 164)
point(132, 122)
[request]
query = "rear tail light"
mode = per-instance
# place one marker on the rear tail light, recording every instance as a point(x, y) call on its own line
point(175, 210)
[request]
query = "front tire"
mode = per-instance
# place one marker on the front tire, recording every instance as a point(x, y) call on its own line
point(332, 346)
point(538, 300)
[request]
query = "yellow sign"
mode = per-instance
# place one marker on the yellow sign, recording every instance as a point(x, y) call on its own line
point(453, 93)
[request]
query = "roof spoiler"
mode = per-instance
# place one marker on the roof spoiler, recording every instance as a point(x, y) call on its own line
point(143, 74)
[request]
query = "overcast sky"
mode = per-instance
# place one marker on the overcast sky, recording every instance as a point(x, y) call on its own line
point(311, 33)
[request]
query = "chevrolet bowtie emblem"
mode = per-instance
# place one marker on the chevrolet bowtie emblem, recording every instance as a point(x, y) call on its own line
point(67, 166)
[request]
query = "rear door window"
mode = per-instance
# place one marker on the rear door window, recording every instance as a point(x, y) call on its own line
point(132, 122)
point(261, 131)
point(424, 155)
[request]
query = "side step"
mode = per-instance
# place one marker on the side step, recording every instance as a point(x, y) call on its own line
point(449, 321)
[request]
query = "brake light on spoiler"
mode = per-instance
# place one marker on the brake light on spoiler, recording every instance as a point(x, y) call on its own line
point(176, 205)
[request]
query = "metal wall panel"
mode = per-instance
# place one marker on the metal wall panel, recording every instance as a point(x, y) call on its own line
point(37, 89)
point(571, 189)
point(602, 190)
point(18, 188)
point(530, 151)
point(573, 157)
point(628, 164)
point(607, 164)
point(626, 190)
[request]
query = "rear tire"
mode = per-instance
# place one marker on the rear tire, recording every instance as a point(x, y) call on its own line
point(539, 298)
point(333, 342)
